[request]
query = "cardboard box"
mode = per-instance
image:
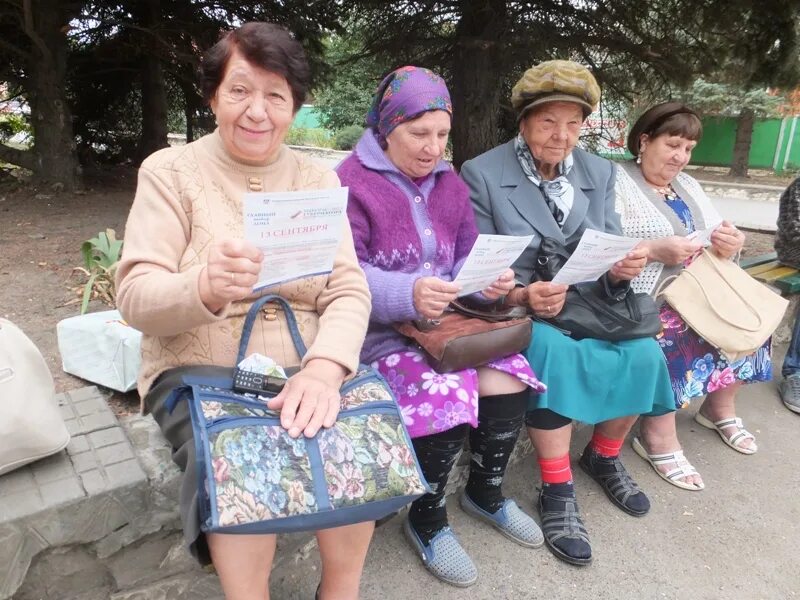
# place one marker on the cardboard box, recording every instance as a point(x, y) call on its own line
point(101, 348)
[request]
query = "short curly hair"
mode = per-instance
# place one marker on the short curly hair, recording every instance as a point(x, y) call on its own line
point(266, 45)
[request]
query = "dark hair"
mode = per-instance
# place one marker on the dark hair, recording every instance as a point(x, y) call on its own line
point(268, 46)
point(672, 118)
point(686, 125)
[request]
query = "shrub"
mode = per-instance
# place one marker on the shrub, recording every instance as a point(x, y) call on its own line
point(100, 259)
point(347, 138)
point(304, 136)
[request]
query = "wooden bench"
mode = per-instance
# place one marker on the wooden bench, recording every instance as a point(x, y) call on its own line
point(768, 269)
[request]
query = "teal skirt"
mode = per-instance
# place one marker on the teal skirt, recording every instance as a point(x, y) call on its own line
point(593, 380)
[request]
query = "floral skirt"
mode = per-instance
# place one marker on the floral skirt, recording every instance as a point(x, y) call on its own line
point(697, 368)
point(432, 402)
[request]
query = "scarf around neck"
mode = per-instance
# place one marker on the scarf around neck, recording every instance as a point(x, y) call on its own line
point(558, 193)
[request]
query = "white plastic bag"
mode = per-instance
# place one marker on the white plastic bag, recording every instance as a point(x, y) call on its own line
point(102, 348)
point(31, 427)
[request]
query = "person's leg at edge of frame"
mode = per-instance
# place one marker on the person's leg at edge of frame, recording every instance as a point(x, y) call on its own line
point(343, 551)
point(789, 387)
point(243, 563)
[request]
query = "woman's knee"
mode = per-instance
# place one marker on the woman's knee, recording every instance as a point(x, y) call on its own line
point(492, 382)
point(344, 549)
point(243, 563)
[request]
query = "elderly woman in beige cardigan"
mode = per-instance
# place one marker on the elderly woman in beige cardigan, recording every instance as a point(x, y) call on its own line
point(186, 280)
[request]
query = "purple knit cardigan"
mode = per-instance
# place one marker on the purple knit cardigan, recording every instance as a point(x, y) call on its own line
point(403, 230)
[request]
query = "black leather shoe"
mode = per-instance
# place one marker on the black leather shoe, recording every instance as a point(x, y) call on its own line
point(618, 485)
point(564, 532)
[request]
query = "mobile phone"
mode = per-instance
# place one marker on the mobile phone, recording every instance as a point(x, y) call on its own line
point(250, 382)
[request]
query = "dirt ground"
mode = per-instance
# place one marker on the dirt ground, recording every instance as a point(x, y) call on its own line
point(41, 233)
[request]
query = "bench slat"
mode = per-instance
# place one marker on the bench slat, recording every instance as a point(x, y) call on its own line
point(777, 273)
point(788, 285)
point(763, 268)
point(754, 261)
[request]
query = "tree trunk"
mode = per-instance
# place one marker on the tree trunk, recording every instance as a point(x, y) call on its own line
point(477, 78)
point(154, 109)
point(741, 147)
point(154, 91)
point(55, 160)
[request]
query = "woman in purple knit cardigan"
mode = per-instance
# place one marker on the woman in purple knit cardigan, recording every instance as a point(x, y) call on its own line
point(413, 227)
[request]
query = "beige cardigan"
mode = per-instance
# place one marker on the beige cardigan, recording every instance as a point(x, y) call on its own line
point(187, 199)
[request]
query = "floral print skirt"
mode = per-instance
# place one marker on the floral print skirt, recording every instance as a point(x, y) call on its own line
point(696, 368)
point(433, 402)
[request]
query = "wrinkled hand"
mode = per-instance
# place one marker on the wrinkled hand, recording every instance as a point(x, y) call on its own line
point(432, 295)
point(630, 266)
point(310, 399)
point(672, 250)
point(726, 240)
point(546, 299)
point(501, 286)
point(230, 274)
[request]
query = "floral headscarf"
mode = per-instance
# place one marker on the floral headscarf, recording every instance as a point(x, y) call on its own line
point(404, 94)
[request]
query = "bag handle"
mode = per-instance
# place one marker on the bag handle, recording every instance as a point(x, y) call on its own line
point(716, 311)
point(602, 308)
point(291, 321)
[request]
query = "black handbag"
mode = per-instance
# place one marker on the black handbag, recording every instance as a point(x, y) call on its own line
point(595, 309)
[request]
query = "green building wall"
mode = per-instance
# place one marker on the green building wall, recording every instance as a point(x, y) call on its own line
point(775, 143)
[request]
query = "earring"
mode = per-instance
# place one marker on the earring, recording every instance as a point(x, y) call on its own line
point(639, 159)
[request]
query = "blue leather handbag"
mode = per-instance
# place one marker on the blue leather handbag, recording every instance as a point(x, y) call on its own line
point(254, 478)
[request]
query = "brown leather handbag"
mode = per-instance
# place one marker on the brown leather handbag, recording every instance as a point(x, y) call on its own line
point(459, 341)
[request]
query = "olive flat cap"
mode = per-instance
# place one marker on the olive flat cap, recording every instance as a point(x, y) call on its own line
point(556, 81)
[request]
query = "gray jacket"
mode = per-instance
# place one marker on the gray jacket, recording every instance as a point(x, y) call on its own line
point(507, 203)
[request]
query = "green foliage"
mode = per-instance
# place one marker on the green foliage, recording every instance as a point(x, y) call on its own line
point(11, 125)
point(346, 138)
point(306, 136)
point(100, 259)
point(728, 100)
point(345, 99)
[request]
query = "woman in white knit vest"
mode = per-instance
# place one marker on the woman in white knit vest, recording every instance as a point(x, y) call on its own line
point(663, 205)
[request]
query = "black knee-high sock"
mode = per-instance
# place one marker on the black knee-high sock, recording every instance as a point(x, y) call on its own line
point(499, 422)
point(436, 454)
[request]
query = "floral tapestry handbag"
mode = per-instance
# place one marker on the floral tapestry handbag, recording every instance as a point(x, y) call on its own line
point(254, 478)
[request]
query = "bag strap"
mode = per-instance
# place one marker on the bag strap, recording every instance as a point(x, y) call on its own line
point(600, 307)
point(663, 284)
point(291, 321)
point(716, 310)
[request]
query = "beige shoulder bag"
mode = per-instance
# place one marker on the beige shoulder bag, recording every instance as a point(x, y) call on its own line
point(31, 427)
point(724, 305)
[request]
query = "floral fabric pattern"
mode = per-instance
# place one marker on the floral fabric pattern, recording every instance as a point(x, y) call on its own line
point(367, 458)
point(260, 473)
point(431, 402)
point(696, 368)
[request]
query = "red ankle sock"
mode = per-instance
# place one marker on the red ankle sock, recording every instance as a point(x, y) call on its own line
point(606, 446)
point(555, 470)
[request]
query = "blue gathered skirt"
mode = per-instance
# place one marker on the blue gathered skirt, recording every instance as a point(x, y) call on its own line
point(593, 380)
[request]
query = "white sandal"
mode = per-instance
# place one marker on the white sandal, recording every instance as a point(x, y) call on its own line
point(674, 476)
point(734, 440)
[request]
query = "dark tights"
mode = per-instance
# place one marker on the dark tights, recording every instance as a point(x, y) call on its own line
point(499, 421)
